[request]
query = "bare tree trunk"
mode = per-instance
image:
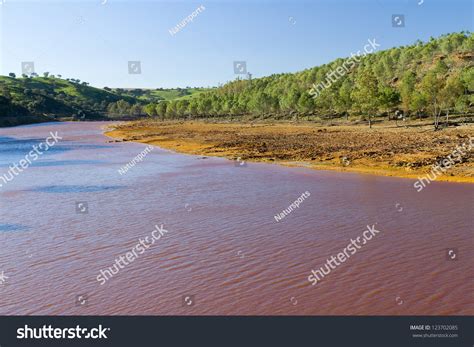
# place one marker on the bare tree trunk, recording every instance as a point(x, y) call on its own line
point(370, 122)
point(447, 118)
point(436, 117)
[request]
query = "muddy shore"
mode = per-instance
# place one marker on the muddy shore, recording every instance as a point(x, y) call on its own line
point(383, 150)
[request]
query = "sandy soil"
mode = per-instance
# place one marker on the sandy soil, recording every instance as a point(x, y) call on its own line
point(383, 150)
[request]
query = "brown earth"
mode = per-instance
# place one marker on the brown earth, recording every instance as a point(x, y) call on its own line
point(383, 150)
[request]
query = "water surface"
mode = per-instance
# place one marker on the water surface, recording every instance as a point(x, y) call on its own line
point(223, 244)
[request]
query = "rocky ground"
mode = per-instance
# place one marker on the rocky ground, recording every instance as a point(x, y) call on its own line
point(386, 149)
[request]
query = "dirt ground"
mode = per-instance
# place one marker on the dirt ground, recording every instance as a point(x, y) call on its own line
point(383, 150)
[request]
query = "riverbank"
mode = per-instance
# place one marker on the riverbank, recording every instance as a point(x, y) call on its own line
point(16, 121)
point(383, 150)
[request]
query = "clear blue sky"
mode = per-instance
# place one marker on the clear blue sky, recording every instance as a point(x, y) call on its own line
point(94, 42)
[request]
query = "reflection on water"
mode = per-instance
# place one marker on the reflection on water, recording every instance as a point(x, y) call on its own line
point(73, 189)
point(12, 227)
point(224, 246)
point(48, 162)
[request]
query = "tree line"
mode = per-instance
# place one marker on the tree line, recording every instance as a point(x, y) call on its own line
point(434, 78)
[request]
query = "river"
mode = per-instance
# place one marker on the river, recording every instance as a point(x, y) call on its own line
point(70, 214)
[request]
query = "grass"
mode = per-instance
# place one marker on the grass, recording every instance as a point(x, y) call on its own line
point(155, 95)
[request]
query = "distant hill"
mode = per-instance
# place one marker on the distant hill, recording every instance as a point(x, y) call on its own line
point(28, 99)
point(37, 99)
point(159, 94)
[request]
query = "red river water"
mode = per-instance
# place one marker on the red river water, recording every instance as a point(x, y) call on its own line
point(70, 214)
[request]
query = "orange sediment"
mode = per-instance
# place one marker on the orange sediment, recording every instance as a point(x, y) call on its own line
point(384, 150)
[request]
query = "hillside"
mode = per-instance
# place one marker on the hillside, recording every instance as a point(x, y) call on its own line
point(34, 99)
point(160, 94)
point(30, 99)
point(426, 79)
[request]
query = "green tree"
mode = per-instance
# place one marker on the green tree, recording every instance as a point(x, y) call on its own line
point(171, 110)
point(305, 103)
point(289, 99)
point(430, 86)
point(193, 108)
point(450, 93)
point(407, 88)
point(344, 100)
point(389, 98)
point(150, 110)
point(418, 102)
point(366, 94)
point(112, 109)
point(161, 109)
point(182, 107)
point(123, 107)
point(204, 106)
point(136, 110)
